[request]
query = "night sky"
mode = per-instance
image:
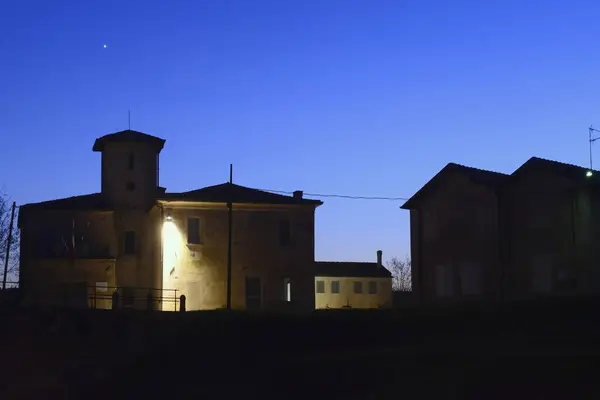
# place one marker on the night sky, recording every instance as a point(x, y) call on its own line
point(364, 98)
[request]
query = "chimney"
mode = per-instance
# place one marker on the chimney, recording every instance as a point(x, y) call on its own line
point(379, 257)
point(298, 194)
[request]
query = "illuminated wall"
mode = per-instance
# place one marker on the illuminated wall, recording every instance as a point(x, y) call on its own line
point(199, 270)
point(347, 296)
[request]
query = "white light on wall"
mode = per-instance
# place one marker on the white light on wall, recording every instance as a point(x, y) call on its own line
point(172, 244)
point(287, 290)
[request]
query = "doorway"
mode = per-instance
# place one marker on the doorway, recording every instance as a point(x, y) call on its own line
point(253, 293)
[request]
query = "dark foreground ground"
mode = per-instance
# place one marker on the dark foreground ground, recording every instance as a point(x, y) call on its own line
point(530, 350)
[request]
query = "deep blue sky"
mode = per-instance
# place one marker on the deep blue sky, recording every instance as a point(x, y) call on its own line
point(367, 98)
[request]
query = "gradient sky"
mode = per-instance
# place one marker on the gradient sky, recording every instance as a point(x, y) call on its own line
point(367, 98)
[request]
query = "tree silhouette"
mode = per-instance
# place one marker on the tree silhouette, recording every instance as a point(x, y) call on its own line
point(13, 262)
point(401, 274)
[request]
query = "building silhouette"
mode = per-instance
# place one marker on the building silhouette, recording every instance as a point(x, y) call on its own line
point(479, 234)
point(149, 246)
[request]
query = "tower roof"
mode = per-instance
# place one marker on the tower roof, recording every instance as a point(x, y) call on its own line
point(128, 136)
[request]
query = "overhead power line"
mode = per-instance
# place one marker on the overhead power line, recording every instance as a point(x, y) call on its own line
point(340, 196)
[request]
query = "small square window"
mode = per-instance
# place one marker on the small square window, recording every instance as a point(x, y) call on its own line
point(335, 286)
point(320, 286)
point(372, 287)
point(130, 186)
point(357, 287)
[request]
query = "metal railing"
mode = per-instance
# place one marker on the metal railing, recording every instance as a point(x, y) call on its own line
point(119, 297)
point(82, 295)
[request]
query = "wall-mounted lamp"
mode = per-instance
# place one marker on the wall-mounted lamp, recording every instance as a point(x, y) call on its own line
point(169, 214)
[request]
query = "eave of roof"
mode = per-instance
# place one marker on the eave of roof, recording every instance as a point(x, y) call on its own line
point(226, 192)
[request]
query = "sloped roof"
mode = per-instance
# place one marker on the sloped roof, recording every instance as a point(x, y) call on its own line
point(238, 194)
point(129, 136)
point(570, 171)
point(86, 202)
point(94, 201)
point(486, 178)
point(349, 269)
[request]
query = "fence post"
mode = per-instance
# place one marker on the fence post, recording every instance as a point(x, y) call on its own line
point(182, 303)
point(149, 301)
point(115, 300)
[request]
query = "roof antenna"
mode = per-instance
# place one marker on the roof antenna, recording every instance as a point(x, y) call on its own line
point(129, 118)
point(592, 139)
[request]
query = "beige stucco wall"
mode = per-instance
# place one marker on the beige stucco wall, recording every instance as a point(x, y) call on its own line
point(67, 282)
point(39, 227)
point(200, 270)
point(116, 174)
point(142, 269)
point(135, 210)
point(101, 230)
point(346, 297)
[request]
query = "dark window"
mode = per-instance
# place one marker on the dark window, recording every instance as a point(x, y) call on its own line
point(285, 232)
point(320, 287)
point(193, 231)
point(130, 242)
point(128, 297)
point(357, 287)
point(372, 287)
point(335, 286)
point(130, 186)
point(130, 161)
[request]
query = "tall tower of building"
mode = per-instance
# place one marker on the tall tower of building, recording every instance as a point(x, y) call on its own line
point(130, 174)
point(130, 163)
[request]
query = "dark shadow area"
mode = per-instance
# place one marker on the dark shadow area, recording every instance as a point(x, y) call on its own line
point(541, 349)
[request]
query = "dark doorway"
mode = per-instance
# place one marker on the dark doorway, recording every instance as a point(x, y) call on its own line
point(253, 293)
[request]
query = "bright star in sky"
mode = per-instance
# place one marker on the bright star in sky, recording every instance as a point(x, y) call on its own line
point(104, 46)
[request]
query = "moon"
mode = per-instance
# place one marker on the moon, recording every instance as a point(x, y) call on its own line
point(104, 46)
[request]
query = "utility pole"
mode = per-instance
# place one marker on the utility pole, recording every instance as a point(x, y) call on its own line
point(230, 222)
point(8, 244)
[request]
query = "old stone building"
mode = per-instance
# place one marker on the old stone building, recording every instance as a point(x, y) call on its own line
point(482, 234)
point(150, 246)
point(454, 234)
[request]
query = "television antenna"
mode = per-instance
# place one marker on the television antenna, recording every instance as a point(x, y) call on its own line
point(592, 139)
